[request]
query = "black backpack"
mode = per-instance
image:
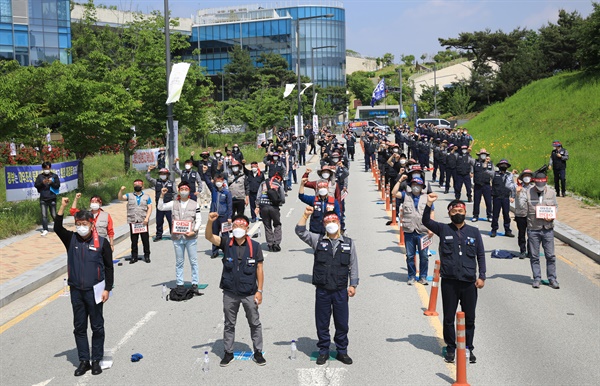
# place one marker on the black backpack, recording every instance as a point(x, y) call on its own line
point(180, 294)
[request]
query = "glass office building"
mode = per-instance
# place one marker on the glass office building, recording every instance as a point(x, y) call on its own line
point(35, 31)
point(273, 30)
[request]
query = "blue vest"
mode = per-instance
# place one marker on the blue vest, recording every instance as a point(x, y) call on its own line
point(320, 208)
point(458, 257)
point(85, 266)
point(239, 276)
point(331, 271)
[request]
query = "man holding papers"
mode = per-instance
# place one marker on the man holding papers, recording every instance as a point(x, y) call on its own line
point(90, 267)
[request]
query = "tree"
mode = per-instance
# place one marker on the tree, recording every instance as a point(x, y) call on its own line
point(408, 60)
point(460, 101)
point(361, 86)
point(273, 69)
point(240, 74)
point(589, 47)
point(388, 59)
point(558, 42)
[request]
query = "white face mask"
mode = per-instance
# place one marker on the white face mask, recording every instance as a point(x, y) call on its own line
point(218, 155)
point(275, 158)
point(184, 193)
point(335, 160)
point(46, 171)
point(163, 177)
point(526, 180)
point(235, 169)
point(402, 162)
point(219, 184)
point(416, 190)
point(482, 157)
point(395, 150)
point(332, 228)
point(188, 167)
point(325, 176)
point(254, 170)
point(94, 206)
point(464, 151)
point(236, 148)
point(323, 192)
point(83, 230)
point(239, 233)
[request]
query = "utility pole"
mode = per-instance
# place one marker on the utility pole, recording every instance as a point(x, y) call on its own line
point(435, 90)
point(171, 132)
point(400, 99)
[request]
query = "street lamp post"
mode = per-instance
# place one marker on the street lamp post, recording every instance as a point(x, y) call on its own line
point(171, 135)
point(312, 69)
point(299, 85)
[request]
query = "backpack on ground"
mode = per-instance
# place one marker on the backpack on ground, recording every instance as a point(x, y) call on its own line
point(179, 294)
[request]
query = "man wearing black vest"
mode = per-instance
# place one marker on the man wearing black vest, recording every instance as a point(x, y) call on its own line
point(558, 162)
point(89, 262)
point(192, 177)
point(162, 182)
point(483, 173)
point(242, 283)
point(335, 264)
point(461, 253)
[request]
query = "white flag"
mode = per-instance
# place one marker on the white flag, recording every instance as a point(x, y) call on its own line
point(315, 100)
point(288, 89)
point(176, 79)
point(304, 89)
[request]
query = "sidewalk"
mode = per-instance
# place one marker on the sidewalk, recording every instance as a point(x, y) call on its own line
point(29, 261)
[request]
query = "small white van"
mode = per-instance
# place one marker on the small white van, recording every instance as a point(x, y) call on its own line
point(435, 122)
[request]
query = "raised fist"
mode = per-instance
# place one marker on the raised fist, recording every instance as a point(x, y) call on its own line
point(65, 201)
point(78, 196)
point(151, 167)
point(192, 153)
point(431, 197)
point(308, 170)
point(123, 188)
point(204, 168)
point(163, 191)
point(308, 211)
point(212, 216)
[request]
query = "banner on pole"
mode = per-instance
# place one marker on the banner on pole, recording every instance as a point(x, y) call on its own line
point(142, 158)
point(315, 122)
point(176, 79)
point(260, 138)
point(20, 180)
point(288, 89)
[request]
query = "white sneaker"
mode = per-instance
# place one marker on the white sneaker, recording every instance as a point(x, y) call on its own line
point(44, 233)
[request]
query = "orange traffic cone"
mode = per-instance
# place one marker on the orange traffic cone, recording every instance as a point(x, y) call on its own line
point(434, 291)
point(461, 355)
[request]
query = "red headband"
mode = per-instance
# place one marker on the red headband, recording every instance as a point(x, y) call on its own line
point(331, 217)
point(457, 205)
point(545, 179)
point(241, 221)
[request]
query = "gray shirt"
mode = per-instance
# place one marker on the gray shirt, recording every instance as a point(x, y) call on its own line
point(313, 239)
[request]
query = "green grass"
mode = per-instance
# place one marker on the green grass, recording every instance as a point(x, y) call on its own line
point(104, 176)
point(521, 129)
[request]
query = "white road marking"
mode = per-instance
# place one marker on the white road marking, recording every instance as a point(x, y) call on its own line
point(321, 376)
point(290, 212)
point(44, 383)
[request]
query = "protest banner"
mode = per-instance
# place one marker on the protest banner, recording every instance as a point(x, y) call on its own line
point(226, 227)
point(181, 226)
point(260, 138)
point(142, 158)
point(139, 228)
point(426, 241)
point(20, 180)
point(545, 212)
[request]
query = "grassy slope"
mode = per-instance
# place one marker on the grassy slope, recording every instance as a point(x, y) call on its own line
point(565, 107)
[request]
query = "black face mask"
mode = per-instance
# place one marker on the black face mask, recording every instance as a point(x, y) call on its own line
point(204, 155)
point(502, 168)
point(457, 218)
point(137, 188)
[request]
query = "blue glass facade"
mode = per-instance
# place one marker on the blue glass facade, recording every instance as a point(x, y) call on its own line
point(35, 31)
point(277, 34)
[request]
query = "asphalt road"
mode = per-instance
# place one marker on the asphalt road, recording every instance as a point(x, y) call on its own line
point(523, 336)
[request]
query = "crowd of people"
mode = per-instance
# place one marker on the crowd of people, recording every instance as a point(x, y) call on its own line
point(404, 159)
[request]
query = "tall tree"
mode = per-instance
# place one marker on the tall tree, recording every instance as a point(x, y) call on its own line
point(240, 74)
point(589, 46)
point(361, 86)
point(558, 42)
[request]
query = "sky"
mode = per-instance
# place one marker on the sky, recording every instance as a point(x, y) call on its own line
point(402, 27)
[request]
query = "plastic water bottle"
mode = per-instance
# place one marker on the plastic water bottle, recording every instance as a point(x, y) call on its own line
point(206, 363)
point(65, 286)
point(164, 291)
point(293, 350)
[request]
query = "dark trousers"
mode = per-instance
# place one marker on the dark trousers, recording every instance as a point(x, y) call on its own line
point(312, 149)
point(450, 173)
point(84, 307)
point(442, 174)
point(44, 206)
point(216, 228)
point(326, 302)
point(462, 179)
point(237, 206)
point(368, 159)
point(302, 157)
point(351, 153)
point(454, 291)
point(253, 204)
point(271, 219)
point(522, 227)
point(486, 192)
point(160, 220)
point(436, 166)
point(295, 176)
point(560, 178)
point(498, 204)
point(134, 243)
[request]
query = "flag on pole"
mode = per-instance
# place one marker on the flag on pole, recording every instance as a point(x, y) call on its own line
point(379, 92)
point(306, 85)
point(288, 89)
point(176, 79)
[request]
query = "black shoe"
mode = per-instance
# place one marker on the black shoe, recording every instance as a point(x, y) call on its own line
point(227, 358)
point(157, 238)
point(470, 199)
point(276, 248)
point(214, 255)
point(96, 369)
point(445, 192)
point(509, 234)
point(195, 289)
point(270, 247)
point(147, 259)
point(344, 358)
point(449, 357)
point(259, 359)
point(133, 260)
point(84, 366)
point(493, 234)
point(388, 223)
point(472, 358)
point(322, 358)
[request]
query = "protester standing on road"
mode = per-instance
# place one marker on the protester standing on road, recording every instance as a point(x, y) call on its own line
point(335, 263)
point(89, 262)
point(558, 163)
point(541, 213)
point(242, 281)
point(271, 195)
point(162, 182)
point(503, 193)
point(413, 228)
point(48, 186)
point(239, 187)
point(525, 183)
point(139, 209)
point(464, 172)
point(221, 203)
point(192, 177)
point(255, 177)
point(187, 210)
point(103, 223)
point(483, 173)
point(321, 202)
point(461, 253)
